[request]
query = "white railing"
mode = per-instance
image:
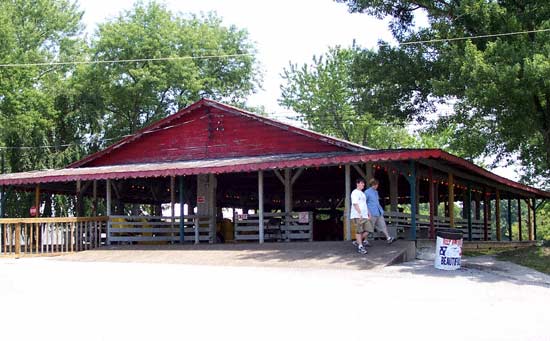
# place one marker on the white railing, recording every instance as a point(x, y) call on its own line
point(402, 223)
point(159, 229)
point(277, 226)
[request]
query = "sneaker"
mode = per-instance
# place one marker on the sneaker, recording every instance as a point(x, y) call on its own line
point(362, 250)
point(365, 243)
point(390, 240)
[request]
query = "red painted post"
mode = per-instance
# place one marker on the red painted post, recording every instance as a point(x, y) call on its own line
point(431, 234)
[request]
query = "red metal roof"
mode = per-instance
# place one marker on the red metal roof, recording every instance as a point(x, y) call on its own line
point(209, 130)
point(255, 163)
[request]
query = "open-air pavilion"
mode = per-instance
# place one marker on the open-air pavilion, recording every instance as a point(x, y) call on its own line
point(278, 182)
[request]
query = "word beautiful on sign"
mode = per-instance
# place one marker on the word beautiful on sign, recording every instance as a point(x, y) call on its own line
point(450, 252)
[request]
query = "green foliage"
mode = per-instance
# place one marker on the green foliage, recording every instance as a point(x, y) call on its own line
point(543, 222)
point(499, 86)
point(34, 32)
point(124, 97)
point(324, 95)
point(61, 112)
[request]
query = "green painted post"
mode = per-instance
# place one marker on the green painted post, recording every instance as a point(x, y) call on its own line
point(182, 227)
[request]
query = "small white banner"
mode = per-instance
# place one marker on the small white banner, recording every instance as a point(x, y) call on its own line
point(303, 217)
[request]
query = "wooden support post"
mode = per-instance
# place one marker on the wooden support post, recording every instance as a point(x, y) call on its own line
point(182, 213)
point(451, 201)
point(412, 183)
point(465, 205)
point(369, 172)
point(497, 216)
point(261, 205)
point(489, 216)
point(347, 225)
point(108, 204)
point(469, 210)
point(393, 177)
point(436, 199)
point(485, 216)
point(477, 200)
point(360, 171)
point(288, 194)
point(94, 193)
point(519, 220)
point(529, 226)
point(37, 200)
point(417, 195)
point(431, 233)
point(172, 204)
point(534, 219)
point(212, 205)
point(509, 219)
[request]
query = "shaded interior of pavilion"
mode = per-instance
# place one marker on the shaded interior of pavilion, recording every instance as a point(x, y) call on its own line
point(482, 209)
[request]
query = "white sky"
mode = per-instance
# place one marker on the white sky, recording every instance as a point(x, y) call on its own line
point(283, 31)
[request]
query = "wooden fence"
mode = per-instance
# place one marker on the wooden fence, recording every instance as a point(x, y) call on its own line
point(51, 235)
point(277, 226)
point(159, 229)
point(401, 222)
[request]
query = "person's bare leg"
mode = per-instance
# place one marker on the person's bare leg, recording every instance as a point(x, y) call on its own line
point(365, 236)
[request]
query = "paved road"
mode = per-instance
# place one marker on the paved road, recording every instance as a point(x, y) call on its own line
point(52, 299)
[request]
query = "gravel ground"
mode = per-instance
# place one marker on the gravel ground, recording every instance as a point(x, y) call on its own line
point(56, 299)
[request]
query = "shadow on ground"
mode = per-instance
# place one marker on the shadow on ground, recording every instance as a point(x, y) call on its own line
point(484, 269)
point(329, 255)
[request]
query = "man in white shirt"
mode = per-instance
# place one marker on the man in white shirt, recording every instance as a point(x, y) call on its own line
point(359, 216)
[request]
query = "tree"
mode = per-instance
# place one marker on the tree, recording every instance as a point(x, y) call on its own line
point(323, 94)
point(210, 60)
point(34, 132)
point(38, 32)
point(499, 85)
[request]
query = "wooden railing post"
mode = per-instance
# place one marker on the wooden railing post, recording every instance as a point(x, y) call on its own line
point(17, 239)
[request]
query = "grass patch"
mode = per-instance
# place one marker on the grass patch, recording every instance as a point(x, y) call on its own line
point(534, 257)
point(476, 253)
